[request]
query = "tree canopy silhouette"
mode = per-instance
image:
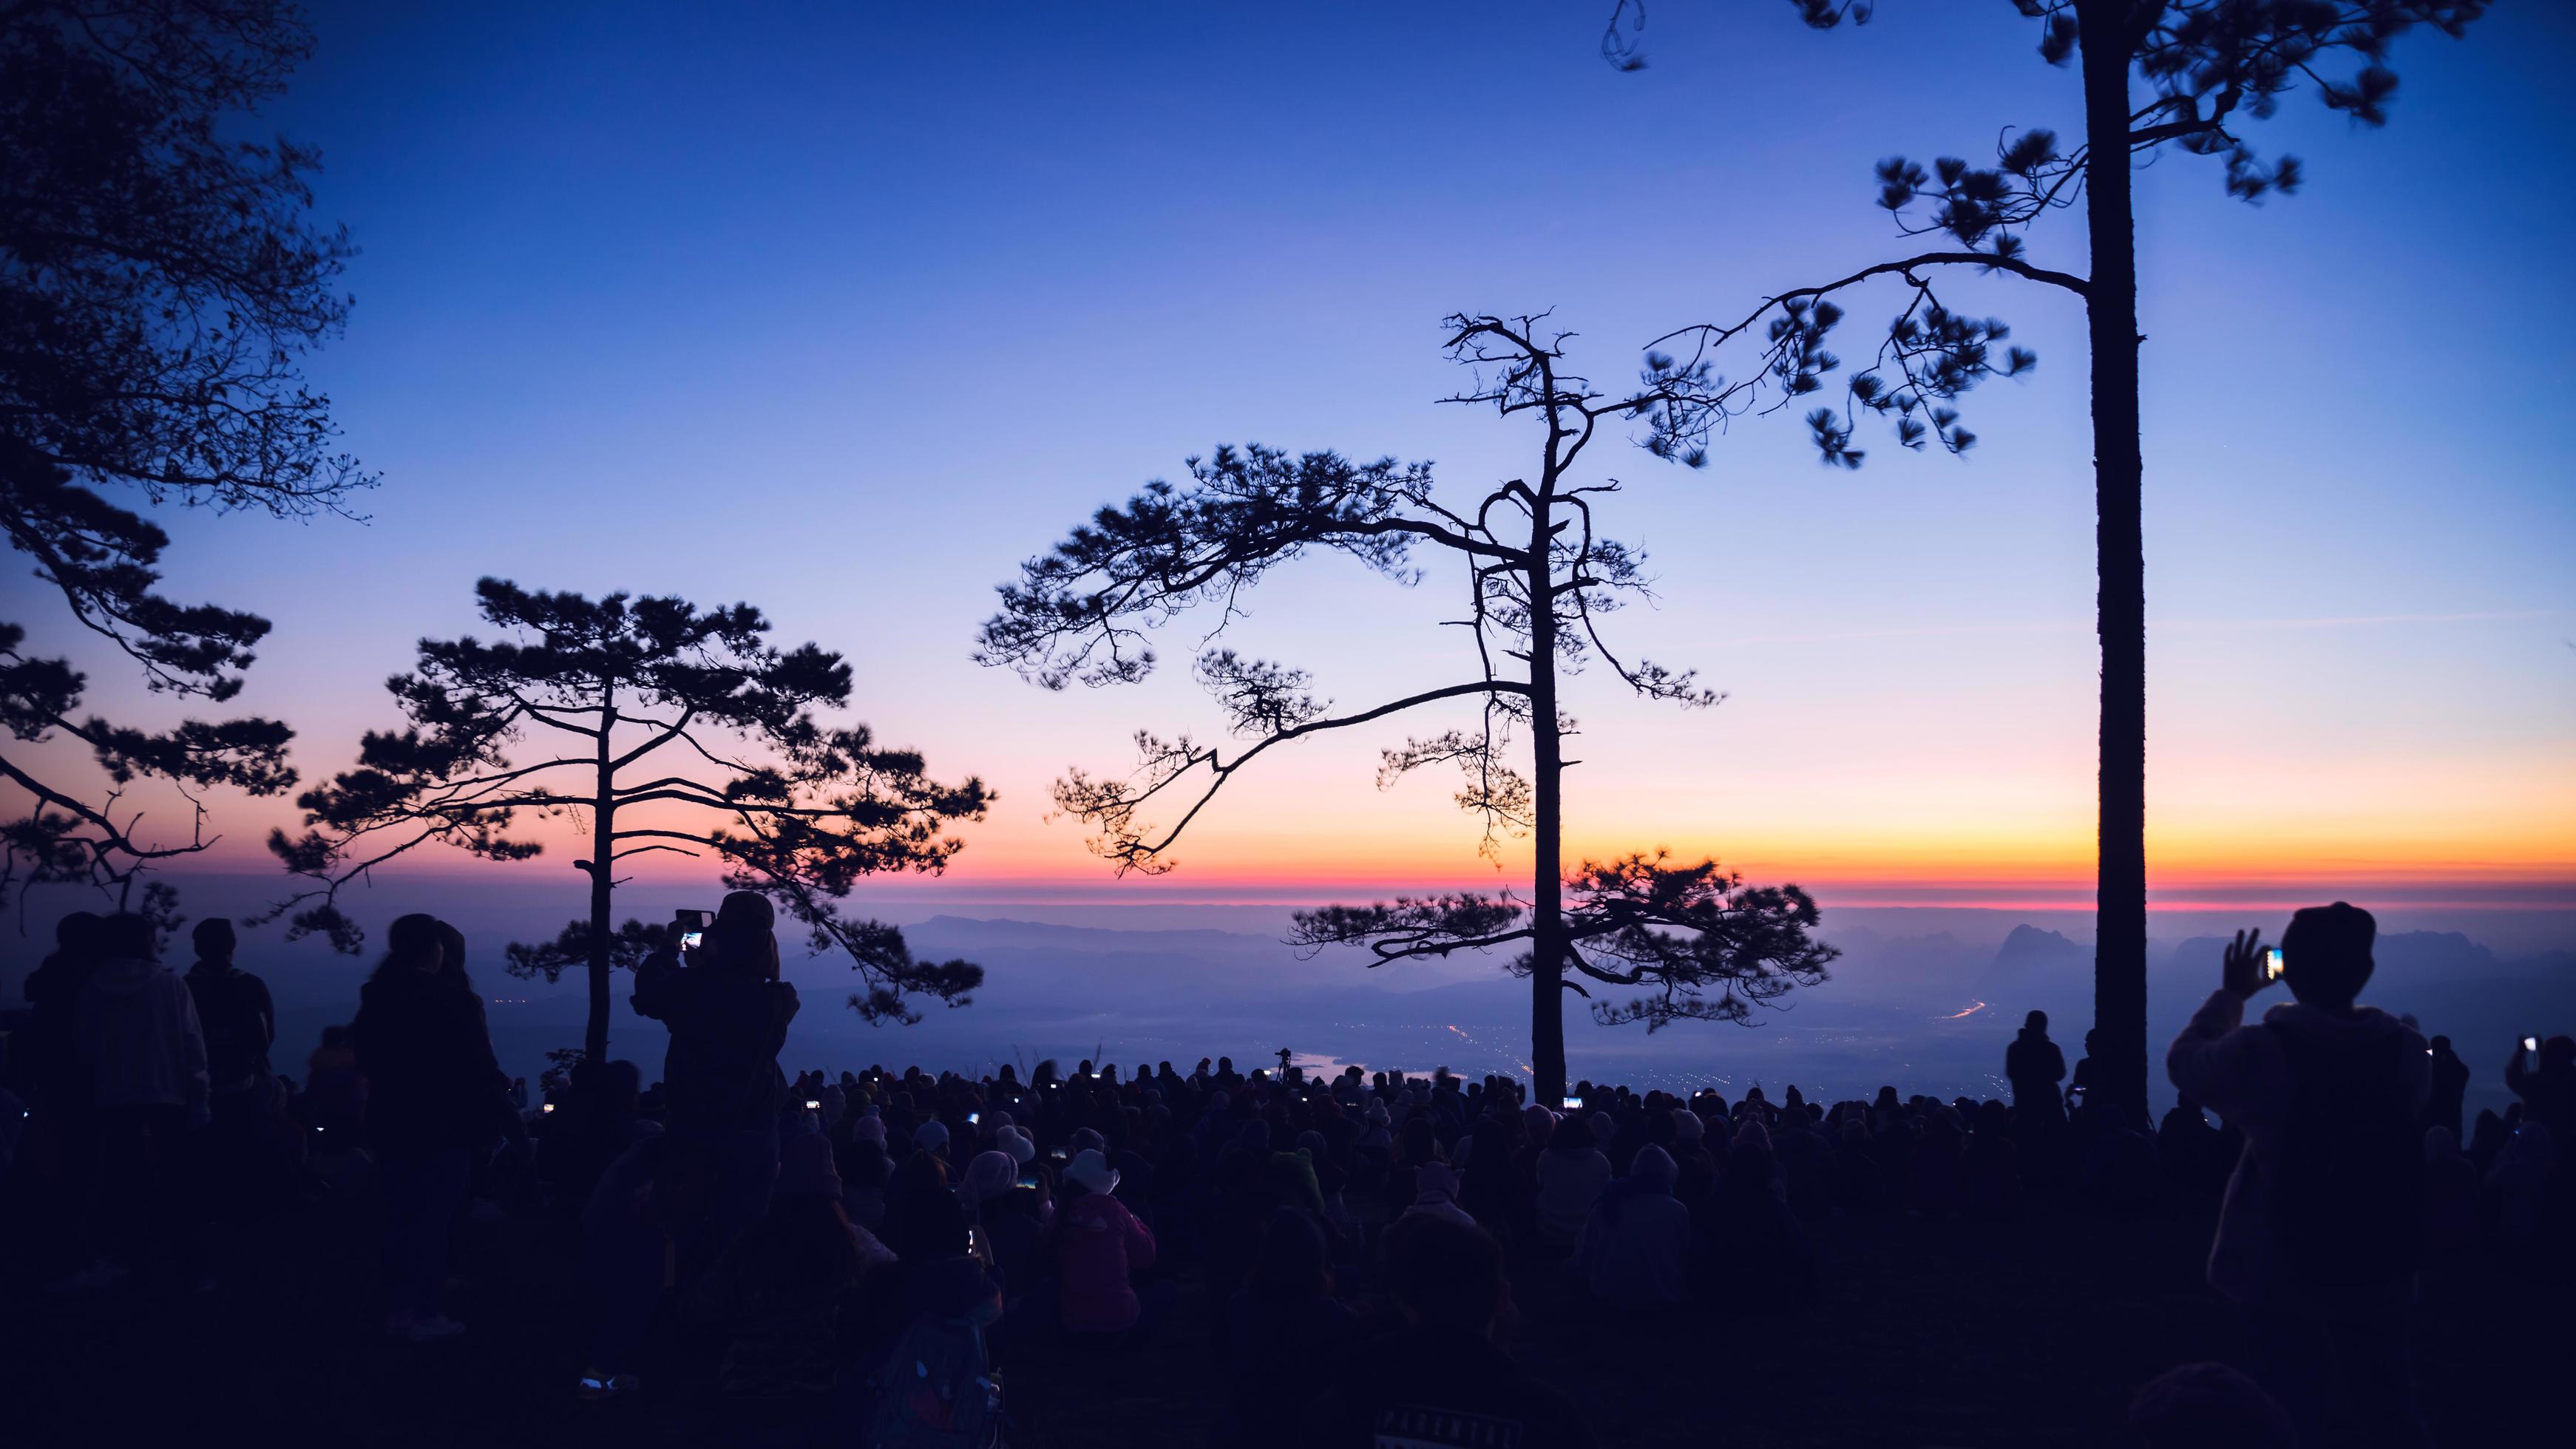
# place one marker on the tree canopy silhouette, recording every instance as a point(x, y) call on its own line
point(2207, 67)
point(637, 708)
point(159, 285)
point(1538, 579)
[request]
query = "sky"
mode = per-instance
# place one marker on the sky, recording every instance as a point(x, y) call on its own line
point(844, 310)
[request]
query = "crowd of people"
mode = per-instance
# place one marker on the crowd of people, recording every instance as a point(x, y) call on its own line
point(867, 1253)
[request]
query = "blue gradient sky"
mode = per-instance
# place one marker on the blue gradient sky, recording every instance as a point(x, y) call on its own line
point(845, 309)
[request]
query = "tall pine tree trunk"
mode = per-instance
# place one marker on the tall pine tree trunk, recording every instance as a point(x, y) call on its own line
point(2120, 903)
point(1547, 885)
point(594, 1040)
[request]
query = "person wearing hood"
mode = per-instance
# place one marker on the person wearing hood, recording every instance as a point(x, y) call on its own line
point(135, 1030)
point(1631, 1250)
point(1435, 1194)
point(2323, 1223)
point(1100, 1246)
point(434, 1094)
point(1695, 1167)
point(1572, 1174)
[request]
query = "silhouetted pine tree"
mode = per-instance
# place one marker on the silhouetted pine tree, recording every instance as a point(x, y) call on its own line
point(1538, 577)
point(159, 284)
point(2206, 67)
point(640, 712)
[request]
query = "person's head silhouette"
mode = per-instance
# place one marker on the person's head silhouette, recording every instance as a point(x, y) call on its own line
point(413, 943)
point(213, 939)
point(2037, 1021)
point(77, 933)
point(2325, 954)
point(128, 936)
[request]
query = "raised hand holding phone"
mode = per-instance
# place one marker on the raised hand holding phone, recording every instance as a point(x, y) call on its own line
point(2248, 967)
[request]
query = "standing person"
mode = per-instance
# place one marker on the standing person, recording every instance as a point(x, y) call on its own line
point(433, 1089)
point(728, 1013)
point(55, 1070)
point(2079, 1088)
point(2035, 1066)
point(54, 1078)
point(240, 1025)
point(2546, 1083)
point(135, 1029)
point(2323, 1223)
point(2450, 1088)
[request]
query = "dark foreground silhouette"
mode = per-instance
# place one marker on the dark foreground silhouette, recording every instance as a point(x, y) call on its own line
point(401, 1248)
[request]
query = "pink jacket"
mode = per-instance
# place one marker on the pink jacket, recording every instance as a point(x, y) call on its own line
point(1098, 1244)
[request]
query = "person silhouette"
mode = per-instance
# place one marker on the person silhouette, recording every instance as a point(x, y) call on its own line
point(433, 1086)
point(135, 1029)
point(2323, 1223)
point(2546, 1083)
point(2035, 1066)
point(240, 1026)
point(728, 1015)
point(2450, 1088)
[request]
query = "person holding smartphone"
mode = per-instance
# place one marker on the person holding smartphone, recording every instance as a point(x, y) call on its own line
point(2542, 1072)
point(2323, 1224)
point(728, 1014)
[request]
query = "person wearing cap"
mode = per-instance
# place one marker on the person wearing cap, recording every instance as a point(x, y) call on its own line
point(2323, 1222)
point(1099, 1247)
point(1018, 1143)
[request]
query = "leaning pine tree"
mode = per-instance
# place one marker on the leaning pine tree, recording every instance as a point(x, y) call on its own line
point(1538, 576)
point(627, 715)
point(2157, 75)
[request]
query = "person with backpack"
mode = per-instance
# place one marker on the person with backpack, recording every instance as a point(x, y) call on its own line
point(779, 1293)
point(2323, 1223)
point(936, 1388)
